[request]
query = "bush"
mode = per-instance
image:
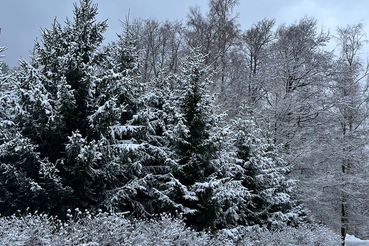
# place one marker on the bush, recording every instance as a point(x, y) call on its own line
point(304, 235)
point(85, 229)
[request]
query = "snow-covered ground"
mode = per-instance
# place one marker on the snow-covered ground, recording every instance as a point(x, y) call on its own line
point(353, 241)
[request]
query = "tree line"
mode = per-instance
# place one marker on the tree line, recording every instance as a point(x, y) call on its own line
point(225, 127)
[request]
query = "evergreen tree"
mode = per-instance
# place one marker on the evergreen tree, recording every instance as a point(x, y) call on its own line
point(26, 179)
point(149, 182)
point(146, 186)
point(86, 113)
point(196, 143)
point(62, 73)
point(271, 201)
point(135, 143)
point(58, 100)
point(5, 118)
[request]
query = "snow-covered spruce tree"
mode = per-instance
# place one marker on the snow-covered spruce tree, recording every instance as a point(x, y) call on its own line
point(196, 144)
point(149, 184)
point(60, 101)
point(5, 116)
point(135, 142)
point(272, 201)
point(140, 142)
point(92, 120)
point(26, 179)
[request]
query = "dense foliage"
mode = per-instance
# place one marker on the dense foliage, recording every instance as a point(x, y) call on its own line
point(84, 228)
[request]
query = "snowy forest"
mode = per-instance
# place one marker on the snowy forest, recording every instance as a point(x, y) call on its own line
point(193, 132)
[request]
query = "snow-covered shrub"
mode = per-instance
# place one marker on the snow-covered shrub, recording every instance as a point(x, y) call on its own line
point(31, 230)
point(304, 235)
point(84, 228)
point(101, 229)
point(171, 231)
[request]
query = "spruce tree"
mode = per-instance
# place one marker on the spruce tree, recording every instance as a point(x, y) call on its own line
point(272, 201)
point(128, 137)
point(140, 139)
point(57, 91)
point(5, 114)
point(27, 180)
point(195, 143)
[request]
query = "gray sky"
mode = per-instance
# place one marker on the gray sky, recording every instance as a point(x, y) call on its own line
point(21, 20)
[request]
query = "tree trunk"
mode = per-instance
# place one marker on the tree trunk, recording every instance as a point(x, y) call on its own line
point(343, 222)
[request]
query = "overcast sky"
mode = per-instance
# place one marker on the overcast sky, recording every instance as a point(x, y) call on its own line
point(21, 20)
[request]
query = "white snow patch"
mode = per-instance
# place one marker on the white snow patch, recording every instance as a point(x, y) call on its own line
point(353, 241)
